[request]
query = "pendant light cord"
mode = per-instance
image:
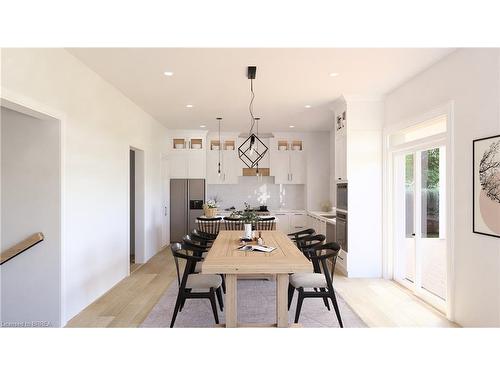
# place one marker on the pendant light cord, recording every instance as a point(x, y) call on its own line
point(250, 107)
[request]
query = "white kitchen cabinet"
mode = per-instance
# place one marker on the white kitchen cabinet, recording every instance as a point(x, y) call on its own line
point(297, 167)
point(187, 164)
point(230, 167)
point(288, 167)
point(283, 222)
point(340, 157)
point(319, 225)
point(298, 221)
point(196, 164)
point(279, 163)
point(212, 168)
point(178, 164)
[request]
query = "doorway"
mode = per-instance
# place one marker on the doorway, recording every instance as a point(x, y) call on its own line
point(420, 208)
point(136, 209)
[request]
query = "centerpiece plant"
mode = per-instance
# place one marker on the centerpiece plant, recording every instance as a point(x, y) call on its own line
point(210, 207)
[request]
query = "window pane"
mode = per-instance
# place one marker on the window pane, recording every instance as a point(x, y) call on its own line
point(430, 193)
point(409, 256)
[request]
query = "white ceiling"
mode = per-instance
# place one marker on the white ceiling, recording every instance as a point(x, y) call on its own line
point(214, 81)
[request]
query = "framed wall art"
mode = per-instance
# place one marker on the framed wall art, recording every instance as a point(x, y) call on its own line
point(486, 186)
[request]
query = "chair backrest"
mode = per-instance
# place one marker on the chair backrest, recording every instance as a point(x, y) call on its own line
point(233, 223)
point(322, 253)
point(194, 241)
point(181, 251)
point(209, 224)
point(307, 243)
point(310, 241)
point(296, 236)
point(266, 223)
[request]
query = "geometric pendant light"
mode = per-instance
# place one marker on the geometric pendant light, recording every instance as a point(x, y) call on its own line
point(252, 150)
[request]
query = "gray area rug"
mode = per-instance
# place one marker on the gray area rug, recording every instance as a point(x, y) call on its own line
point(256, 304)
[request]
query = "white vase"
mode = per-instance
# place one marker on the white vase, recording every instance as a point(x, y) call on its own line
point(248, 231)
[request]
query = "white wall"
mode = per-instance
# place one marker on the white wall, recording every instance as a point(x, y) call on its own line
point(30, 202)
point(471, 79)
point(100, 125)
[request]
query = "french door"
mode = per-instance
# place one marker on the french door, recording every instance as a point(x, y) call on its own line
point(420, 252)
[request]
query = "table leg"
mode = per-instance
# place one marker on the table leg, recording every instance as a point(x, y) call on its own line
point(231, 305)
point(282, 300)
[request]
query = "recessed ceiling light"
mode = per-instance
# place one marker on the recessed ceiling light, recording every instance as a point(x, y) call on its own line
point(203, 126)
point(189, 106)
point(334, 74)
point(292, 126)
point(307, 106)
point(168, 74)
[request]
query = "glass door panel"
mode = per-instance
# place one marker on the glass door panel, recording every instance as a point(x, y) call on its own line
point(432, 242)
point(409, 217)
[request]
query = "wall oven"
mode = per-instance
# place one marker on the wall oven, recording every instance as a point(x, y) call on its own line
point(341, 230)
point(342, 196)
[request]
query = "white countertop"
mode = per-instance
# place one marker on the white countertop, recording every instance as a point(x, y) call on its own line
point(317, 214)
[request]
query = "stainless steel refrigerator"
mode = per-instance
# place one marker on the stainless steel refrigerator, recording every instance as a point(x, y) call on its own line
point(187, 197)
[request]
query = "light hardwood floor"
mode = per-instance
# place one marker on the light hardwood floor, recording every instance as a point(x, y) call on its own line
point(380, 303)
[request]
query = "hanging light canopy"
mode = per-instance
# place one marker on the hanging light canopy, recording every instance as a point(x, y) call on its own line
point(252, 150)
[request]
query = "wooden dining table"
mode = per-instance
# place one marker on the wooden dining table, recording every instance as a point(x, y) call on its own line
point(224, 258)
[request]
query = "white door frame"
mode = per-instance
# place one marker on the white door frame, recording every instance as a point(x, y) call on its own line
point(140, 207)
point(416, 285)
point(31, 107)
point(388, 206)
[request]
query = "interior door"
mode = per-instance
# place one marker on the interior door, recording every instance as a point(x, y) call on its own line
point(420, 259)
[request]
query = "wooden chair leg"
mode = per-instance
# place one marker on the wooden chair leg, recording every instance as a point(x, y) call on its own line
point(219, 298)
point(299, 304)
point(291, 290)
point(176, 309)
point(336, 307)
point(214, 306)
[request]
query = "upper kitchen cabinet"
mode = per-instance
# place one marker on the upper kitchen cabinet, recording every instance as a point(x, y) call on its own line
point(187, 154)
point(226, 150)
point(288, 161)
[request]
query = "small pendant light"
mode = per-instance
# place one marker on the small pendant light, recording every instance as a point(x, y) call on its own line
point(220, 146)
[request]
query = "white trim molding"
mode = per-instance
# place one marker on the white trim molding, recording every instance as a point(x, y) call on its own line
point(446, 109)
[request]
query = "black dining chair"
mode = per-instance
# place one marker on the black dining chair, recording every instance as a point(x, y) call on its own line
point(301, 234)
point(202, 237)
point(305, 244)
point(316, 285)
point(266, 223)
point(191, 283)
point(233, 223)
point(308, 242)
point(209, 225)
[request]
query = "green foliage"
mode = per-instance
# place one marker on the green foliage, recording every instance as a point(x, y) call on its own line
point(430, 169)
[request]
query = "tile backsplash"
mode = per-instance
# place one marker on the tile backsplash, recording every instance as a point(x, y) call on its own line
point(258, 191)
